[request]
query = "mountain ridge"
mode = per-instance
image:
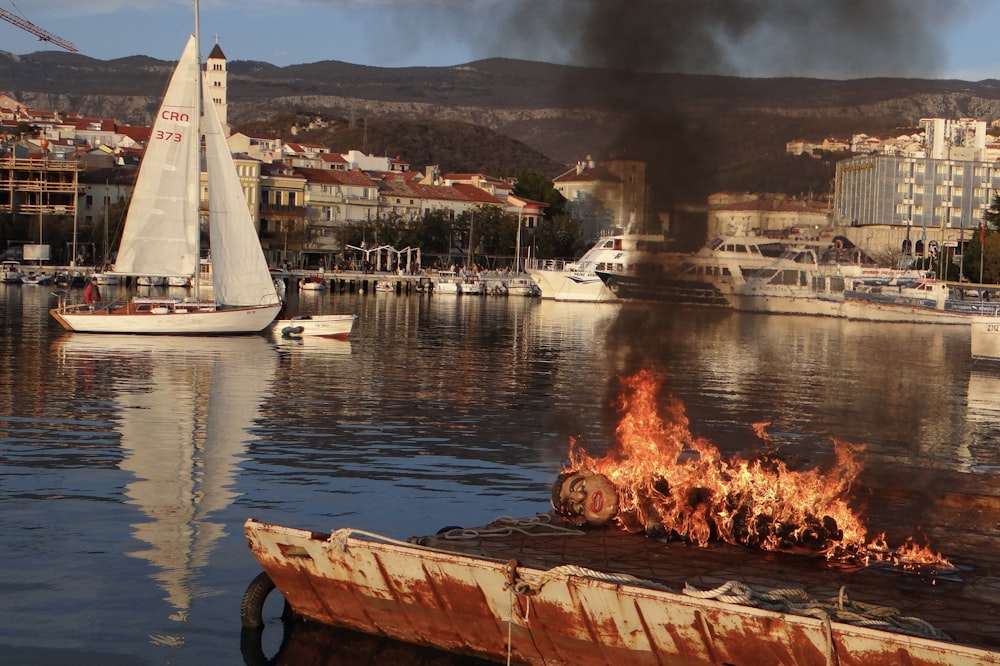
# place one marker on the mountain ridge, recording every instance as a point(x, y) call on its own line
point(697, 133)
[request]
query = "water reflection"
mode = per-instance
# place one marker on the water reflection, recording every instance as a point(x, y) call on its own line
point(437, 412)
point(183, 406)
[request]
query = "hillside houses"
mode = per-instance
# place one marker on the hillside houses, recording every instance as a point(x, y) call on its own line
point(299, 194)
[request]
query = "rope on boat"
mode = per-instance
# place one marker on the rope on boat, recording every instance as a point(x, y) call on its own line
point(338, 538)
point(522, 586)
point(839, 609)
point(505, 526)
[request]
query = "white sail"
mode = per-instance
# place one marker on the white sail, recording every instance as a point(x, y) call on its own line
point(240, 276)
point(160, 236)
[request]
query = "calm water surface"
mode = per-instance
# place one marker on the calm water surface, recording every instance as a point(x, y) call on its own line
point(128, 465)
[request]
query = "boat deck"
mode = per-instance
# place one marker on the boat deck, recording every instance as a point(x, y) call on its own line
point(964, 603)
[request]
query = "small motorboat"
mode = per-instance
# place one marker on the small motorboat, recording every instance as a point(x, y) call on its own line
point(336, 326)
point(36, 278)
point(10, 271)
point(312, 283)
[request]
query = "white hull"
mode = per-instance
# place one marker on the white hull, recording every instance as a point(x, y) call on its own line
point(571, 286)
point(34, 279)
point(164, 321)
point(11, 272)
point(986, 336)
point(107, 278)
point(794, 305)
point(443, 287)
point(308, 284)
point(320, 326)
point(873, 311)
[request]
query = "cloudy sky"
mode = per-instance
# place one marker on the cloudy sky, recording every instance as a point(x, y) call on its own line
point(818, 38)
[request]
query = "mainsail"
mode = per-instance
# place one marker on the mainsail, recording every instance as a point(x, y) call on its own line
point(160, 236)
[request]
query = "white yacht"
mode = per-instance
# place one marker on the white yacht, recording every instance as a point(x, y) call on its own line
point(707, 277)
point(810, 280)
point(579, 280)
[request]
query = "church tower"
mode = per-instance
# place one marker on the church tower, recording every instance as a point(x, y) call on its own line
point(217, 78)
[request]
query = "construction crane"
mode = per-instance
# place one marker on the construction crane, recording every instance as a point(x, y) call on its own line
point(43, 35)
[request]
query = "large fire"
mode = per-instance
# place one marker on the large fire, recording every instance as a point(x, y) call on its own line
point(671, 481)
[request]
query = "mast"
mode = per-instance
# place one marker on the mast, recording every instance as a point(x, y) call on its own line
point(196, 278)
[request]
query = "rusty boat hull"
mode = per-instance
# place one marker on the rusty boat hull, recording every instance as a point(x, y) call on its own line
point(521, 593)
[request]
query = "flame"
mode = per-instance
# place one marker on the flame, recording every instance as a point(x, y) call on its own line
point(668, 479)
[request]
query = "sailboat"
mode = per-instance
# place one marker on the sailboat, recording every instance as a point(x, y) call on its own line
point(161, 233)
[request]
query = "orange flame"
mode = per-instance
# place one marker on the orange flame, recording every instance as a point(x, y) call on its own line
point(667, 478)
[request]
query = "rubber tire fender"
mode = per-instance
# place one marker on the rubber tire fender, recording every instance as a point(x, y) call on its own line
point(252, 605)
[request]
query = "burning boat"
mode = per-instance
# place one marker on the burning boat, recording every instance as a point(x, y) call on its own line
point(736, 562)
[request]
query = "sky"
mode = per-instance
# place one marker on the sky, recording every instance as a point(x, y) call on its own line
point(835, 39)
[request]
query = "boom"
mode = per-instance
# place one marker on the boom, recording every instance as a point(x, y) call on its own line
point(43, 35)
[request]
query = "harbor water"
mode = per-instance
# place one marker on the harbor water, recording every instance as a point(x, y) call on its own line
point(129, 464)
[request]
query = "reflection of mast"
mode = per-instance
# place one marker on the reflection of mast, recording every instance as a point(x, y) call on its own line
point(184, 407)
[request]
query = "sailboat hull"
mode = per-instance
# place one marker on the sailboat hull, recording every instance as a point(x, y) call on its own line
point(166, 318)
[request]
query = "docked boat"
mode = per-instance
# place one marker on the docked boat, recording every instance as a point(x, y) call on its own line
point(536, 591)
point(336, 326)
point(36, 278)
point(107, 278)
point(521, 287)
point(446, 282)
point(161, 230)
point(927, 301)
point(10, 271)
point(809, 280)
point(384, 286)
point(710, 276)
point(471, 285)
point(70, 279)
point(986, 335)
point(580, 280)
point(312, 283)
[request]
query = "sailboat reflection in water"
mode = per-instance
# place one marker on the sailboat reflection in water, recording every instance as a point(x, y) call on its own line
point(183, 408)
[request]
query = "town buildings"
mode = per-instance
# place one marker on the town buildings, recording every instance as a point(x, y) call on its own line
point(921, 192)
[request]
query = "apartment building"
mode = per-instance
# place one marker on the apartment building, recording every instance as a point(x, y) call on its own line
point(605, 195)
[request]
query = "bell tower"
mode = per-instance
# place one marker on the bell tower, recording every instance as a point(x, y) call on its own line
point(217, 78)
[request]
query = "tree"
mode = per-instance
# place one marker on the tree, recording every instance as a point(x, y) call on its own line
point(991, 216)
point(537, 187)
point(558, 237)
point(982, 254)
point(433, 233)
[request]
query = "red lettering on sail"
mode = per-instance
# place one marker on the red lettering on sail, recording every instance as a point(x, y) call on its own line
point(175, 116)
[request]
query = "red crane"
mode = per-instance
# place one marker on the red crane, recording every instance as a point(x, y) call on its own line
point(43, 35)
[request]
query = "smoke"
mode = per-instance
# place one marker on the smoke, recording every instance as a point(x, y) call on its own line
point(627, 41)
point(826, 39)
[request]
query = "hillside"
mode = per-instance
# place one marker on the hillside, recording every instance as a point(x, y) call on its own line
point(698, 134)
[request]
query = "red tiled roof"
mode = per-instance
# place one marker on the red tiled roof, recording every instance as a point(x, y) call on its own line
point(352, 177)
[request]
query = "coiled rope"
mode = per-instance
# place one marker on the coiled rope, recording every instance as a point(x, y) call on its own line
point(841, 609)
point(505, 526)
